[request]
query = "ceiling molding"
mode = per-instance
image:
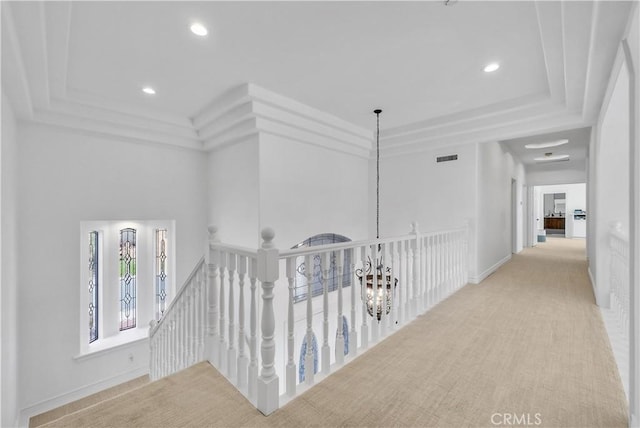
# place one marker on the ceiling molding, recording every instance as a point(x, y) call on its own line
point(239, 133)
point(13, 68)
point(575, 37)
point(542, 123)
point(104, 128)
point(58, 30)
point(287, 131)
point(550, 28)
point(232, 116)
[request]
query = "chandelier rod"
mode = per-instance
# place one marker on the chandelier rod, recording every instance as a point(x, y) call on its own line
point(377, 112)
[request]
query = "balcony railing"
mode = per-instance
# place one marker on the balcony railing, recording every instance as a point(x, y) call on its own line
point(218, 315)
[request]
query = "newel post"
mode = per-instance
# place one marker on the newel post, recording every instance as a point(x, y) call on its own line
point(268, 270)
point(212, 342)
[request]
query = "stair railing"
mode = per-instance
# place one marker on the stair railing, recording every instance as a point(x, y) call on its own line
point(366, 290)
point(177, 340)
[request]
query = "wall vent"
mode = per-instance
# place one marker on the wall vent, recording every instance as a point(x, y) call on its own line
point(446, 158)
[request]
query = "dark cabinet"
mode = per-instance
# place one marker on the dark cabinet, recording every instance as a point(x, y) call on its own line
point(554, 222)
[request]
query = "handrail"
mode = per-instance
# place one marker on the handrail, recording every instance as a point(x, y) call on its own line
point(216, 314)
point(177, 296)
point(236, 249)
point(303, 251)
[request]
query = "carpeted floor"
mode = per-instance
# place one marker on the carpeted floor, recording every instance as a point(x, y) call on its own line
point(525, 347)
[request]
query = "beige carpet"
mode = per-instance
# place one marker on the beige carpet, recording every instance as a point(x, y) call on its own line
point(527, 343)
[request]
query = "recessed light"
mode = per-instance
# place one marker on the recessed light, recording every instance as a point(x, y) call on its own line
point(149, 90)
point(490, 68)
point(551, 158)
point(547, 144)
point(199, 29)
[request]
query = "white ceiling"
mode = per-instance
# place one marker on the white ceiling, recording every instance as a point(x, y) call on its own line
point(421, 62)
point(576, 147)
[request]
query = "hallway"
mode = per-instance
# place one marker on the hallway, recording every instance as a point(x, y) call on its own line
point(527, 345)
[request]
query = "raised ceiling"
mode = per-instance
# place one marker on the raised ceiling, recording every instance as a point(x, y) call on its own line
point(421, 62)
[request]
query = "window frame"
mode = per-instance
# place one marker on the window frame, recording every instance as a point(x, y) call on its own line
point(109, 335)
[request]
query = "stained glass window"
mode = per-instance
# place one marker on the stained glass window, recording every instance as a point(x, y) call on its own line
point(300, 288)
point(161, 272)
point(93, 286)
point(127, 279)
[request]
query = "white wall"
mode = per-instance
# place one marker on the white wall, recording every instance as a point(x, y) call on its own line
point(611, 177)
point(496, 169)
point(633, 40)
point(66, 178)
point(8, 269)
point(415, 188)
point(233, 183)
point(546, 174)
point(438, 196)
point(306, 190)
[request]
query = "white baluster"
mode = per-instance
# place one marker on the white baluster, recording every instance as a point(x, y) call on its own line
point(441, 267)
point(243, 360)
point(309, 368)
point(196, 309)
point(364, 328)
point(184, 350)
point(174, 345)
point(291, 365)
point(382, 288)
point(222, 356)
point(268, 272)
point(204, 304)
point(253, 333)
point(406, 280)
point(353, 335)
point(430, 268)
point(415, 271)
point(213, 340)
point(376, 258)
point(393, 315)
point(187, 324)
point(399, 247)
point(340, 337)
point(231, 352)
point(325, 263)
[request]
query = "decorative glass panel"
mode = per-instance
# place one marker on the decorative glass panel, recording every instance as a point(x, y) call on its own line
point(303, 353)
point(345, 334)
point(127, 279)
point(300, 289)
point(161, 272)
point(93, 286)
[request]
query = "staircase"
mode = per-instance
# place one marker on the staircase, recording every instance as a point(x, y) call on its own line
point(380, 285)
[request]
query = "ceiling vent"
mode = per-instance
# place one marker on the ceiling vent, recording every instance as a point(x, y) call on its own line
point(446, 158)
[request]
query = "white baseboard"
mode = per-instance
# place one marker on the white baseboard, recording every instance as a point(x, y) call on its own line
point(634, 422)
point(77, 394)
point(481, 277)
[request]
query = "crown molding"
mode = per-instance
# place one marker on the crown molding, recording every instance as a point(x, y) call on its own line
point(236, 133)
point(106, 129)
point(549, 15)
point(542, 123)
point(13, 66)
point(58, 17)
point(230, 118)
point(35, 80)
